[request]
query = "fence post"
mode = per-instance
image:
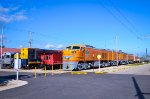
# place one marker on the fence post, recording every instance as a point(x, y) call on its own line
point(71, 67)
point(52, 69)
point(45, 71)
point(35, 72)
point(60, 69)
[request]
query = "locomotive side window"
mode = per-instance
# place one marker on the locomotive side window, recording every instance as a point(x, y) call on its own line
point(47, 57)
point(104, 55)
point(7, 56)
point(82, 49)
point(12, 56)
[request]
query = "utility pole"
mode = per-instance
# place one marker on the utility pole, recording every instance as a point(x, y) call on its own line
point(127, 59)
point(117, 47)
point(146, 52)
point(2, 42)
point(30, 39)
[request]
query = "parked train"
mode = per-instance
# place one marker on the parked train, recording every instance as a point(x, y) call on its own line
point(78, 56)
point(8, 59)
point(31, 57)
point(73, 57)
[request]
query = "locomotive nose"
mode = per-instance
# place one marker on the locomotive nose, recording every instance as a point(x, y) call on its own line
point(69, 52)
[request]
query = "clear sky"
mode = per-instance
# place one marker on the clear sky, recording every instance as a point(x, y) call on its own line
point(57, 23)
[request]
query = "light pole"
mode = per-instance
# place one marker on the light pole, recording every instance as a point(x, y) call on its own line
point(146, 54)
point(134, 54)
point(127, 59)
point(117, 48)
point(30, 39)
point(2, 42)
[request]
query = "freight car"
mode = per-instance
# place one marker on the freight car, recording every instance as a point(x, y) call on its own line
point(51, 58)
point(78, 56)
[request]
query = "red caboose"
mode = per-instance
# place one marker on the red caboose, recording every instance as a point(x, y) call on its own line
point(51, 58)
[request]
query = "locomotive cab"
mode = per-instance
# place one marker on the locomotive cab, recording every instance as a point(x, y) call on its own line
point(72, 55)
point(73, 52)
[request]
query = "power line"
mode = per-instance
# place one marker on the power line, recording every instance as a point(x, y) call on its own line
point(147, 36)
point(35, 32)
point(17, 29)
point(116, 18)
point(120, 21)
point(128, 21)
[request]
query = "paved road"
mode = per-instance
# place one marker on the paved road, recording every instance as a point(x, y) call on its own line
point(90, 86)
point(136, 70)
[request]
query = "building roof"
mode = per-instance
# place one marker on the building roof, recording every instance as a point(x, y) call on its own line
point(10, 50)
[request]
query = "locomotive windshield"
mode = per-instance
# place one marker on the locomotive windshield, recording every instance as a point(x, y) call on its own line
point(73, 47)
point(76, 47)
point(69, 47)
point(6, 56)
point(46, 57)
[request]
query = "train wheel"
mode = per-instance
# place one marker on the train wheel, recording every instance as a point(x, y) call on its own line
point(78, 68)
point(3, 66)
point(30, 67)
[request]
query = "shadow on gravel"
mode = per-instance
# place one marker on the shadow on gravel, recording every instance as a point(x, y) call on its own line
point(138, 90)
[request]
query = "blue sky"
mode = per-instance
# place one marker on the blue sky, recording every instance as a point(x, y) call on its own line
point(57, 23)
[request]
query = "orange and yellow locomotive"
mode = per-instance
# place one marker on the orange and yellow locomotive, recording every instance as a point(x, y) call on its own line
point(80, 56)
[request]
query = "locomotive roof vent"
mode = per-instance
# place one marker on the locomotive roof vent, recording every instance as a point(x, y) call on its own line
point(89, 46)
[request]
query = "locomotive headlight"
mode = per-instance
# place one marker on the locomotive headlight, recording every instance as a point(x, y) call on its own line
point(73, 52)
point(67, 57)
